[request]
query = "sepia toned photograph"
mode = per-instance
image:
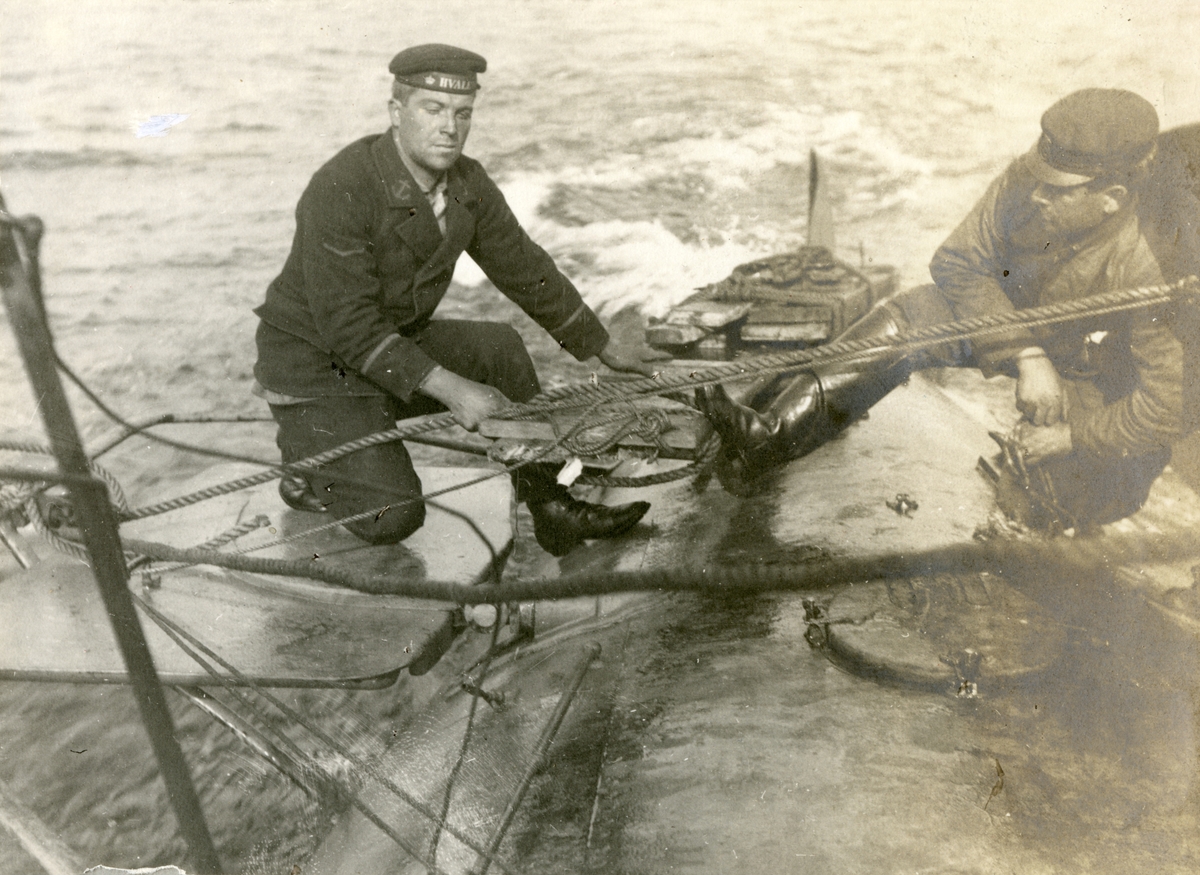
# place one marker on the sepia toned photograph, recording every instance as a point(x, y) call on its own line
point(618, 437)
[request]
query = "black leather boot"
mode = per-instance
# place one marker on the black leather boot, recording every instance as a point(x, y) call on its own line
point(810, 410)
point(562, 522)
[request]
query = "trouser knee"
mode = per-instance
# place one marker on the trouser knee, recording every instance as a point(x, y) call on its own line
point(391, 525)
point(507, 362)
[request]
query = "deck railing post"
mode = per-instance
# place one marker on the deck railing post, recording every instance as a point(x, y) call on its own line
point(99, 525)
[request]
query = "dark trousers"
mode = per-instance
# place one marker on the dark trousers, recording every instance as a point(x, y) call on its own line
point(1092, 489)
point(383, 475)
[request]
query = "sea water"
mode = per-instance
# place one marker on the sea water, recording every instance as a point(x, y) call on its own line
point(649, 146)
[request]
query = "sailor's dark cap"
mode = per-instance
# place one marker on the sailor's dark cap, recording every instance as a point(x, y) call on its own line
point(437, 67)
point(1093, 133)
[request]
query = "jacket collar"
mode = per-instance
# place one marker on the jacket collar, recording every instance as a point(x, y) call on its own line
point(402, 189)
point(420, 229)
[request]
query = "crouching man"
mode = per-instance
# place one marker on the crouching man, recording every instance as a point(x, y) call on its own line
point(347, 342)
point(1101, 398)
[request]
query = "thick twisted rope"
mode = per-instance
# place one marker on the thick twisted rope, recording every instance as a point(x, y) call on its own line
point(232, 534)
point(1035, 556)
point(424, 497)
point(774, 363)
point(24, 496)
point(865, 348)
point(426, 423)
point(646, 424)
point(368, 514)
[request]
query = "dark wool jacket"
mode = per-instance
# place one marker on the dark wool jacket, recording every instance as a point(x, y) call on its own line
point(369, 265)
point(1124, 370)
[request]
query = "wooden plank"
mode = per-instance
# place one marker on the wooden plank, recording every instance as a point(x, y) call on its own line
point(788, 313)
point(684, 431)
point(278, 631)
point(707, 314)
point(521, 429)
point(786, 332)
point(674, 335)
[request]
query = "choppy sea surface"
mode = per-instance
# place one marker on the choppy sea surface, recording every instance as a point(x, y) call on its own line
point(650, 147)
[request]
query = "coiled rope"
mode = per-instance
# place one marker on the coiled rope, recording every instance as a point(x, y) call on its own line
point(24, 496)
point(115, 493)
point(646, 424)
point(706, 455)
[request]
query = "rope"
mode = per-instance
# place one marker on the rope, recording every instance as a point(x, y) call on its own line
point(706, 455)
point(1035, 556)
point(646, 424)
point(72, 548)
point(428, 423)
point(425, 497)
point(837, 351)
point(14, 495)
point(116, 493)
point(598, 393)
point(24, 496)
point(231, 535)
point(774, 363)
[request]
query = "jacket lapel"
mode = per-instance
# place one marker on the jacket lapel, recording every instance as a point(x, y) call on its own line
point(460, 222)
point(460, 228)
point(417, 226)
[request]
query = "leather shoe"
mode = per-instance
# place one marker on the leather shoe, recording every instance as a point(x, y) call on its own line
point(296, 493)
point(564, 522)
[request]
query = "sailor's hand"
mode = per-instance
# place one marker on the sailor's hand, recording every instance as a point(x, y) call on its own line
point(468, 402)
point(633, 358)
point(1038, 443)
point(1040, 395)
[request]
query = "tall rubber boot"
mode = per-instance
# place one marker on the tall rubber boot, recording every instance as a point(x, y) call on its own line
point(813, 407)
point(562, 522)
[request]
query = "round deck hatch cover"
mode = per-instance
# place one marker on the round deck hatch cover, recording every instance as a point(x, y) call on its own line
point(952, 631)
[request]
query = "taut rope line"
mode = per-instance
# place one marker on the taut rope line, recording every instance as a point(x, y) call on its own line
point(1121, 300)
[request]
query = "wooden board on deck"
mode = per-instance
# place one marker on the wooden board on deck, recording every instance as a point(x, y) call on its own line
point(277, 631)
point(676, 431)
